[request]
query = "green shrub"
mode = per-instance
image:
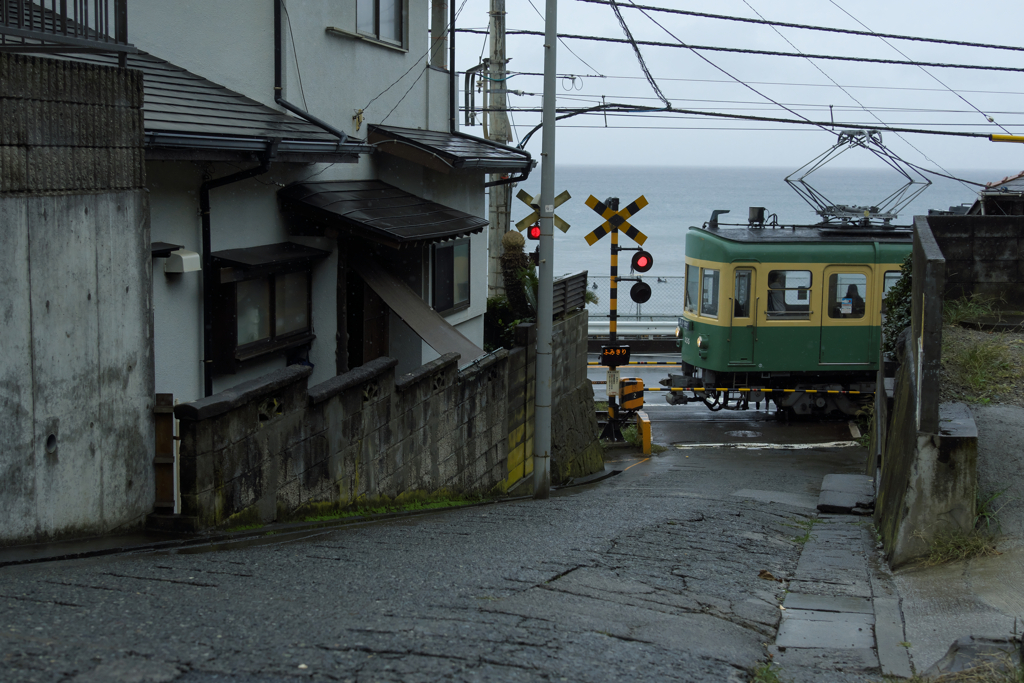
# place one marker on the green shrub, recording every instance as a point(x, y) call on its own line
point(897, 305)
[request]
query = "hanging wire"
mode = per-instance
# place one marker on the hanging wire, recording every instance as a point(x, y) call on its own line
point(769, 53)
point(900, 52)
point(596, 72)
point(639, 55)
point(826, 29)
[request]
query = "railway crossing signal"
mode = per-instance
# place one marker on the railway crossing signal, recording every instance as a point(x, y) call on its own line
point(534, 216)
point(615, 355)
point(533, 232)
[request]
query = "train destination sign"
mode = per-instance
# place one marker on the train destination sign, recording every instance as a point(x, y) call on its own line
point(614, 356)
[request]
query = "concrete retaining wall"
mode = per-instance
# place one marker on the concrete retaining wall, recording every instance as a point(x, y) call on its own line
point(76, 372)
point(928, 478)
point(270, 446)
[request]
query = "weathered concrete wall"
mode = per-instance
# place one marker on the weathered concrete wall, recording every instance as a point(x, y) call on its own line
point(984, 256)
point(76, 373)
point(575, 449)
point(271, 445)
point(928, 478)
point(928, 481)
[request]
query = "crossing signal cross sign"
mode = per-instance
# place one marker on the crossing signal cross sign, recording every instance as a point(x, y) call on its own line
point(616, 219)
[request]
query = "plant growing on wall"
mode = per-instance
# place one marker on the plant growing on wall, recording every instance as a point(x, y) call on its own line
point(897, 304)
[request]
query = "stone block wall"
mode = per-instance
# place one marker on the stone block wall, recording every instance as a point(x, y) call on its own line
point(272, 446)
point(984, 256)
point(69, 126)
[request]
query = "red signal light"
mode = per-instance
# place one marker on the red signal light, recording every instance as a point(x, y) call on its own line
point(642, 261)
point(533, 232)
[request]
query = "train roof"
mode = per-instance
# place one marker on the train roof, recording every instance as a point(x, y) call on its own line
point(819, 244)
point(832, 234)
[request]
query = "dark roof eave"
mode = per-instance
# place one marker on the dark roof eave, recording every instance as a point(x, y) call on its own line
point(176, 146)
point(523, 164)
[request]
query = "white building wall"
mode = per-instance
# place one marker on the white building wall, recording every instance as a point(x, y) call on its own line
point(232, 46)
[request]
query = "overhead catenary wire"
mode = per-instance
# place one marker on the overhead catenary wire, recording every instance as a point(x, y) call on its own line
point(783, 83)
point(827, 29)
point(768, 53)
point(930, 74)
point(585, 63)
point(850, 95)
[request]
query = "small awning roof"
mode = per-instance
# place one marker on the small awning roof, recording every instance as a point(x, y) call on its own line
point(374, 210)
point(448, 152)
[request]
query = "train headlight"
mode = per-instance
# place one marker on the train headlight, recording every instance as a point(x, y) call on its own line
point(702, 343)
point(678, 332)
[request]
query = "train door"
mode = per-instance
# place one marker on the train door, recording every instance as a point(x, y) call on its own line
point(845, 320)
point(742, 332)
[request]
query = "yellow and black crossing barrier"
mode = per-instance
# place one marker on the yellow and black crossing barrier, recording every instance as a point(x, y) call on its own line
point(638, 362)
point(748, 389)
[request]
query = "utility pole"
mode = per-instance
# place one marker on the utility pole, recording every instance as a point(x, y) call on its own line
point(498, 130)
point(542, 414)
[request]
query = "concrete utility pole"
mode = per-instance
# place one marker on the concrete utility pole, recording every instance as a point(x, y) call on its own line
point(542, 415)
point(498, 131)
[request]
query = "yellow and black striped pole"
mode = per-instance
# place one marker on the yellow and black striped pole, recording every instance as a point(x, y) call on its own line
point(613, 295)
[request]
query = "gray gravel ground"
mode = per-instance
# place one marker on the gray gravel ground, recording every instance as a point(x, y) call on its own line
point(651, 575)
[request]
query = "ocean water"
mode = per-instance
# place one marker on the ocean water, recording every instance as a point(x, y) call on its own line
point(680, 197)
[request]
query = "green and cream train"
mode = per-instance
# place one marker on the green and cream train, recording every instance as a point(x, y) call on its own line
point(790, 315)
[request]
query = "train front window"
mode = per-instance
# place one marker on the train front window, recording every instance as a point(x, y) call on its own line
point(741, 294)
point(692, 288)
point(709, 293)
point(846, 295)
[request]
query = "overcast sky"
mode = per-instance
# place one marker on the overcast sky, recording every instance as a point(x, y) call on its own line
point(899, 95)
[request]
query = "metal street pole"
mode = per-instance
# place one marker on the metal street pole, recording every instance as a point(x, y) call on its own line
point(542, 414)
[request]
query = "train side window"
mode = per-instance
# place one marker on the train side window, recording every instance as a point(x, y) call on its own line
point(692, 288)
point(846, 295)
point(789, 294)
point(741, 294)
point(891, 276)
point(709, 293)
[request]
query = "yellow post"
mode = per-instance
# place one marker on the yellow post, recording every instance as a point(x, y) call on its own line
point(643, 424)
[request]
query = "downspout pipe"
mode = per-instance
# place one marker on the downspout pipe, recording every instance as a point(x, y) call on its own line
point(279, 80)
point(453, 83)
point(209, 276)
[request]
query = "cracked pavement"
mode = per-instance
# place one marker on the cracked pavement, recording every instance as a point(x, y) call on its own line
point(649, 575)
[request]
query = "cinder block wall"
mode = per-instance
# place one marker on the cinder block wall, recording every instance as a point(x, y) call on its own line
point(76, 372)
point(271, 446)
point(984, 256)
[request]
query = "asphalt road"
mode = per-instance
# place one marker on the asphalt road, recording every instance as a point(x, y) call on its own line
point(650, 575)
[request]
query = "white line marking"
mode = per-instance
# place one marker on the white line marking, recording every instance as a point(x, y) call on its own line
point(768, 446)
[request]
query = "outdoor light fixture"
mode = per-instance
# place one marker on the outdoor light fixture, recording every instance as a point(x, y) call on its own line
point(182, 261)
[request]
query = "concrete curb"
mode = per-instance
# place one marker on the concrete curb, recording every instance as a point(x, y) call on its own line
point(275, 530)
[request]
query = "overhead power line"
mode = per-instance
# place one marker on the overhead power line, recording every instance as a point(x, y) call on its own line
point(826, 125)
point(768, 53)
point(826, 29)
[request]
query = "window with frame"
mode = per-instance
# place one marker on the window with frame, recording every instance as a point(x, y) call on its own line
point(450, 271)
point(382, 20)
point(262, 303)
point(692, 288)
point(789, 294)
point(846, 295)
point(709, 292)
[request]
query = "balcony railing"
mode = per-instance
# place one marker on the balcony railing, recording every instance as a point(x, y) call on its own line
point(65, 26)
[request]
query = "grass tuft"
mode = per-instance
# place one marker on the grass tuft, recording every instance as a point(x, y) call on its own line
point(766, 672)
point(960, 545)
point(982, 370)
point(807, 525)
point(956, 311)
